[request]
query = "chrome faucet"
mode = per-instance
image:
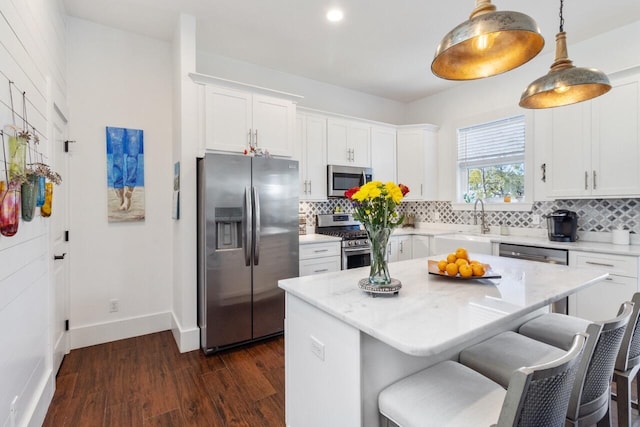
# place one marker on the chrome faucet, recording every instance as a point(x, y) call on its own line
point(483, 220)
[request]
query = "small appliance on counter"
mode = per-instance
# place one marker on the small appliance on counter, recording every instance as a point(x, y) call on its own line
point(409, 220)
point(562, 226)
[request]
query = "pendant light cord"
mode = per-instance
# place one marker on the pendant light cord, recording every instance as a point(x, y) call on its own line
point(561, 17)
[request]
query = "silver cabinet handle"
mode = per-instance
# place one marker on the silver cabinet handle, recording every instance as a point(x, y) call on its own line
point(401, 247)
point(305, 186)
point(256, 141)
point(594, 180)
point(586, 180)
point(250, 138)
point(321, 270)
point(601, 264)
point(321, 250)
point(309, 186)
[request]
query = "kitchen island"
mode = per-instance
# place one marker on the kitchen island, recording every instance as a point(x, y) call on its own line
point(342, 346)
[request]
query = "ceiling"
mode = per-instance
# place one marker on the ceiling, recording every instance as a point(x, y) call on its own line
point(383, 48)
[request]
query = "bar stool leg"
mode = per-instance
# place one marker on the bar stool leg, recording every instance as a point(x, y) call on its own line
point(623, 399)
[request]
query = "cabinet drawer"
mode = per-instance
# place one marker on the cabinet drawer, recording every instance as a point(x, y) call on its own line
point(316, 250)
point(319, 265)
point(614, 264)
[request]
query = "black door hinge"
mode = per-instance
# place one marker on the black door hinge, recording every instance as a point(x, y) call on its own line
point(66, 325)
point(66, 235)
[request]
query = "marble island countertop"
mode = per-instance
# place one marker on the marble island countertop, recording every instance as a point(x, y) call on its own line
point(432, 313)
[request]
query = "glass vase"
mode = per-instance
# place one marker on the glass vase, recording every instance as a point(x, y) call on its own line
point(17, 153)
point(9, 208)
point(41, 184)
point(379, 240)
point(29, 197)
point(45, 209)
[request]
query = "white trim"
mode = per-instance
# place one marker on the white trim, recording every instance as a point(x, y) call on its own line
point(186, 339)
point(41, 406)
point(218, 81)
point(494, 207)
point(88, 335)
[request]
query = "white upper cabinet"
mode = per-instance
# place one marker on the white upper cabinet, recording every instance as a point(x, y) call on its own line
point(418, 161)
point(595, 145)
point(311, 131)
point(348, 143)
point(238, 117)
point(383, 153)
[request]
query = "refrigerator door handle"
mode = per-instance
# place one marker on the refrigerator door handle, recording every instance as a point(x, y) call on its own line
point(248, 220)
point(256, 236)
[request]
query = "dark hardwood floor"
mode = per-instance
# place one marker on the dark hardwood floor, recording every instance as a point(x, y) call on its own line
point(145, 381)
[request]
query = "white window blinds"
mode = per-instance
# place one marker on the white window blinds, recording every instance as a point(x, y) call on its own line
point(493, 142)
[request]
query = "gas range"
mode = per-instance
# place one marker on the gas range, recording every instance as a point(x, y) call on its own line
point(343, 226)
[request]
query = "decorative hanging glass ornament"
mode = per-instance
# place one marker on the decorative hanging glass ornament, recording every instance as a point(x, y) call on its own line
point(41, 184)
point(17, 152)
point(490, 42)
point(29, 197)
point(9, 208)
point(565, 83)
point(45, 209)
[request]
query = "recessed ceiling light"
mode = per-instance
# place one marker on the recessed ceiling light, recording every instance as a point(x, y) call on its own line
point(335, 15)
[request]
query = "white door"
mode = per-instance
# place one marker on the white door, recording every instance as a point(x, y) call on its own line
point(273, 125)
point(60, 247)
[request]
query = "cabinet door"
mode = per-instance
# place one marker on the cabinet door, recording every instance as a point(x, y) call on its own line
point(359, 141)
point(615, 142)
point(315, 158)
point(299, 155)
point(319, 265)
point(228, 119)
point(420, 246)
point(338, 152)
point(404, 248)
point(570, 161)
point(411, 163)
point(273, 125)
point(602, 300)
point(383, 154)
point(392, 249)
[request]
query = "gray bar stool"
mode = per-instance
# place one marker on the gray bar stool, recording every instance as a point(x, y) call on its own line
point(627, 367)
point(451, 395)
point(590, 399)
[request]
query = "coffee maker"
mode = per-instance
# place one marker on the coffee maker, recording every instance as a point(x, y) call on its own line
point(562, 226)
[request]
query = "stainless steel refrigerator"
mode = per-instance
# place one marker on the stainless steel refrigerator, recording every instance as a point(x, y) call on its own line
point(247, 241)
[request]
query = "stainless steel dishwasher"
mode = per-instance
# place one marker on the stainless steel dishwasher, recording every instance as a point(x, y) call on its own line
point(539, 254)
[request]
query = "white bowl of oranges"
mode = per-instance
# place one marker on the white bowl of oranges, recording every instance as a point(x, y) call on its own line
point(458, 264)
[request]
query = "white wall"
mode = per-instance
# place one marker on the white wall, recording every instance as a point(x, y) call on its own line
point(31, 54)
point(482, 99)
point(317, 95)
point(119, 79)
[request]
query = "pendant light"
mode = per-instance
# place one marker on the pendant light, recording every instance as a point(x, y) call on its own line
point(487, 44)
point(565, 83)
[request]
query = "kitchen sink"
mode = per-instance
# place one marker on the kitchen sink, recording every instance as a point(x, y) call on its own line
point(474, 243)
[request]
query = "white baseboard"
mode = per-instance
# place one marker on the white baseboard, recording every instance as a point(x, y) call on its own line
point(88, 335)
point(186, 339)
point(42, 405)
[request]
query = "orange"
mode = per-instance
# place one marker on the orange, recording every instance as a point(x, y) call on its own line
point(466, 270)
point(475, 261)
point(451, 258)
point(478, 269)
point(442, 265)
point(461, 261)
point(462, 253)
point(452, 269)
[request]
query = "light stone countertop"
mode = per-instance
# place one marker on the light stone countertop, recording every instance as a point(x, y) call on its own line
point(307, 239)
point(431, 313)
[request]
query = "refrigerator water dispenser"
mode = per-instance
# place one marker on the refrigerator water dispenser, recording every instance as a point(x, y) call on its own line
point(228, 228)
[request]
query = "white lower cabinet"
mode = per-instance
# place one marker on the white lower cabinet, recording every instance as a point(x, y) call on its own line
point(420, 246)
point(316, 258)
point(602, 300)
point(399, 248)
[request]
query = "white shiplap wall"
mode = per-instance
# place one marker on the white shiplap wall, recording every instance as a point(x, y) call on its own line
point(32, 54)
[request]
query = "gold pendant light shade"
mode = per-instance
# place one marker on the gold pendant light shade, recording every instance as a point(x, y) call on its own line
point(564, 84)
point(489, 43)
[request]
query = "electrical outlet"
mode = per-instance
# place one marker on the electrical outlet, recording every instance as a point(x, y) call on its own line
point(317, 348)
point(535, 219)
point(114, 305)
point(436, 216)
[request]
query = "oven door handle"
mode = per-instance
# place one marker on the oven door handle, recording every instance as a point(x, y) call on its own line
point(356, 251)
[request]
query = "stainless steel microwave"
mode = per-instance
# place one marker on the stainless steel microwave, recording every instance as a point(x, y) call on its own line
point(342, 178)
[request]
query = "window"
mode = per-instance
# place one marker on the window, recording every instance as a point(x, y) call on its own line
point(491, 161)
